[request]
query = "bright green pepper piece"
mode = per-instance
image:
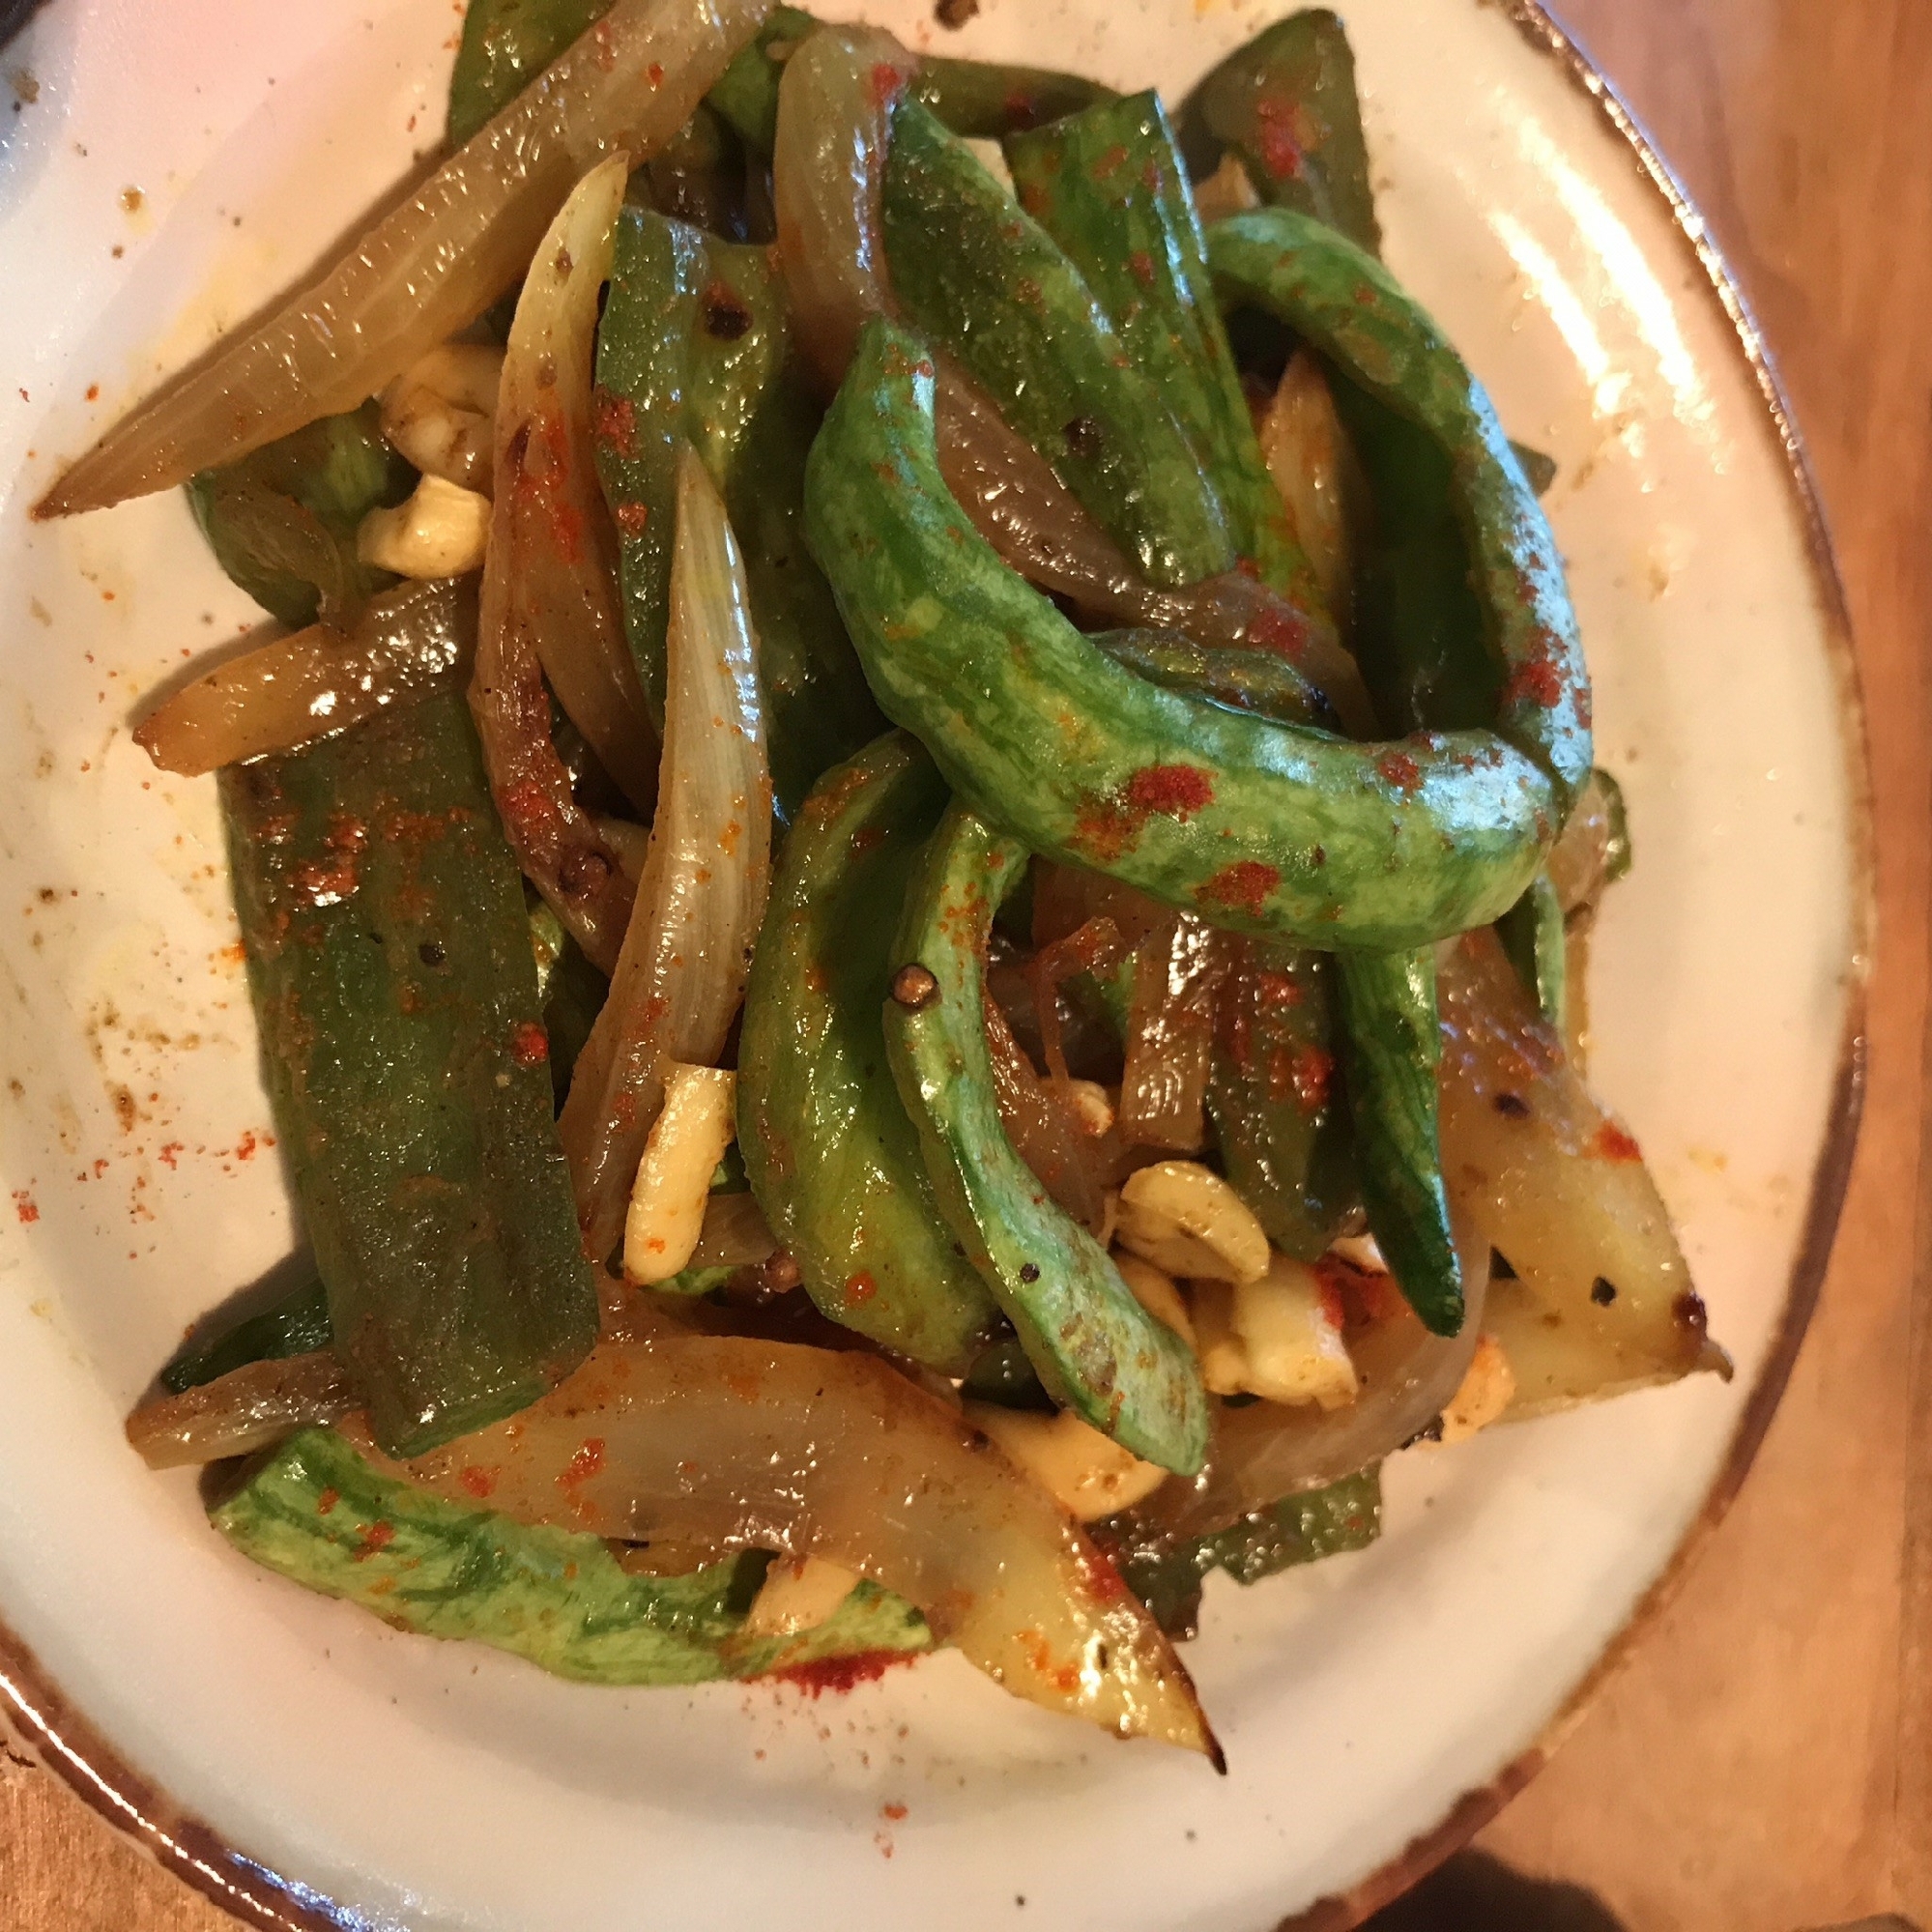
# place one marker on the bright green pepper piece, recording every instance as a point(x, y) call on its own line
point(1347, 305)
point(1532, 933)
point(987, 282)
point(1286, 105)
point(1393, 1047)
point(320, 1514)
point(1284, 1138)
point(1095, 1348)
point(390, 958)
point(694, 343)
point(505, 44)
point(829, 1149)
point(1109, 186)
point(1263, 827)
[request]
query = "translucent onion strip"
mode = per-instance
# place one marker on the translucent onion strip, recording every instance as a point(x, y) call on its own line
point(408, 643)
point(730, 1443)
point(433, 263)
point(1177, 976)
point(564, 589)
point(247, 1409)
point(681, 978)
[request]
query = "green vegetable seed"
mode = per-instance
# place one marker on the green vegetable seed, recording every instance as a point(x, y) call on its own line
point(1095, 1348)
point(988, 283)
point(390, 958)
point(830, 1151)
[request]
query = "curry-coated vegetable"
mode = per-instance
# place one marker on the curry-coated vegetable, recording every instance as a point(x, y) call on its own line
point(390, 958)
point(1392, 1048)
point(1347, 304)
point(693, 345)
point(988, 283)
point(830, 1151)
point(1111, 187)
point(1286, 105)
point(1096, 1350)
point(1263, 827)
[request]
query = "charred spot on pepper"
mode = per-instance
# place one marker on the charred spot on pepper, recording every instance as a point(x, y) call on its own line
point(1086, 438)
point(727, 315)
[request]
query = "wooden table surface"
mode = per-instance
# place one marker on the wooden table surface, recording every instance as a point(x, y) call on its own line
point(1764, 1764)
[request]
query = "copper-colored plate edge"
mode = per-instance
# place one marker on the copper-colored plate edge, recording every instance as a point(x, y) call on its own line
point(70, 1746)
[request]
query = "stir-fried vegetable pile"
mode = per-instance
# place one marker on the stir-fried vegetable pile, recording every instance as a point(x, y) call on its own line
point(915, 877)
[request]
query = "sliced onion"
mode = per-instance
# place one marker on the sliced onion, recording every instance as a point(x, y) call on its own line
point(432, 265)
point(1266, 1451)
point(1092, 946)
point(242, 1411)
point(834, 118)
point(1178, 970)
point(564, 587)
point(731, 1443)
point(680, 977)
point(1316, 469)
point(1045, 1131)
point(408, 643)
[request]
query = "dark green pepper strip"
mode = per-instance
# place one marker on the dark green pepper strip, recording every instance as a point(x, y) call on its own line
point(1286, 105)
point(1167, 1576)
point(390, 958)
point(1109, 186)
point(828, 1146)
point(1533, 935)
point(282, 522)
point(296, 1323)
point(1242, 680)
point(990, 285)
point(1095, 1348)
point(1282, 1130)
point(1263, 827)
point(986, 100)
point(316, 1512)
point(505, 44)
point(1347, 305)
point(694, 344)
point(1392, 1046)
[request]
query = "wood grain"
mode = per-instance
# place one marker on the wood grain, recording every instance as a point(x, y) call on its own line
point(1765, 1762)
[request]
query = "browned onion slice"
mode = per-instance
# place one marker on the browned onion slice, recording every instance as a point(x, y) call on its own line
point(247, 1409)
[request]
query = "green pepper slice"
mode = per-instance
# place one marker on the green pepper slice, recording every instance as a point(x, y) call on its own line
point(829, 1149)
point(1263, 827)
point(1095, 1348)
point(987, 282)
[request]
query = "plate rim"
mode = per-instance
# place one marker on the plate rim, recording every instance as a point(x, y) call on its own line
point(35, 1713)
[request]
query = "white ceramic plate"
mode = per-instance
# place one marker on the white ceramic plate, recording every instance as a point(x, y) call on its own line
point(177, 165)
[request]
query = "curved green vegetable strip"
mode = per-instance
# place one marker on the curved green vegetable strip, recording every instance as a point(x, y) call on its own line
point(318, 1514)
point(296, 1323)
point(1242, 680)
point(1285, 1141)
point(694, 344)
point(1096, 1350)
point(1392, 1046)
point(989, 283)
point(1286, 105)
point(746, 94)
point(1109, 186)
point(282, 522)
point(828, 1148)
point(390, 965)
point(1532, 934)
point(1347, 305)
point(1262, 827)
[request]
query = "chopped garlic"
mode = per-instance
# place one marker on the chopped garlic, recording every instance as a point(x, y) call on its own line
point(1488, 1386)
point(1086, 1474)
point(1092, 1105)
point(1184, 1218)
point(1224, 1355)
point(441, 413)
point(440, 531)
point(674, 1178)
point(799, 1593)
point(1291, 1332)
point(1360, 1251)
point(1157, 1293)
